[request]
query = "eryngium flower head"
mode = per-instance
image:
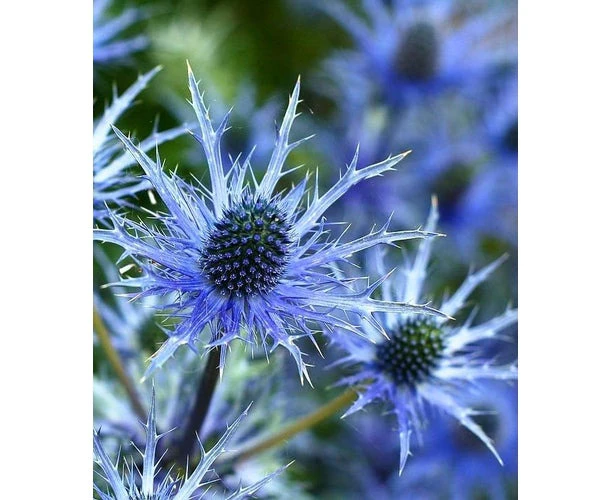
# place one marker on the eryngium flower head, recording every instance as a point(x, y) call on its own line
point(420, 47)
point(111, 182)
point(145, 485)
point(108, 44)
point(244, 261)
point(426, 361)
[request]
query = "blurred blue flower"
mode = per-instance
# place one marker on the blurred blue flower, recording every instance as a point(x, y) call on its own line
point(147, 483)
point(489, 204)
point(418, 78)
point(488, 207)
point(426, 363)
point(244, 262)
point(501, 117)
point(112, 184)
point(416, 48)
point(444, 161)
point(108, 30)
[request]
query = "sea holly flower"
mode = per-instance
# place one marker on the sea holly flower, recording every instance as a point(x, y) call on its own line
point(112, 184)
point(418, 76)
point(417, 48)
point(247, 262)
point(148, 483)
point(426, 362)
point(108, 30)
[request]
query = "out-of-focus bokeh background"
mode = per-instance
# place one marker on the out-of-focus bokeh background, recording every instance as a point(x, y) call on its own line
point(436, 77)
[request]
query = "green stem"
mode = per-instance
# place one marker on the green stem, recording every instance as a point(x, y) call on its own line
point(302, 424)
point(117, 365)
point(201, 406)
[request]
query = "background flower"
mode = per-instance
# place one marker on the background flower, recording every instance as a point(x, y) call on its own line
point(429, 76)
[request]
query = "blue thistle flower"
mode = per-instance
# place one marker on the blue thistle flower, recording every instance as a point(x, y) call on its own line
point(108, 46)
point(244, 262)
point(111, 181)
point(418, 75)
point(147, 484)
point(426, 362)
point(416, 48)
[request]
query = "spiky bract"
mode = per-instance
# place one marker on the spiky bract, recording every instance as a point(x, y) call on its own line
point(112, 184)
point(146, 484)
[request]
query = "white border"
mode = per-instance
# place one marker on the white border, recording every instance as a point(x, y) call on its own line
point(565, 353)
point(46, 270)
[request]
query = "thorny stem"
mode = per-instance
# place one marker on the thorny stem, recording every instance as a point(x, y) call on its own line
point(204, 395)
point(294, 428)
point(117, 365)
